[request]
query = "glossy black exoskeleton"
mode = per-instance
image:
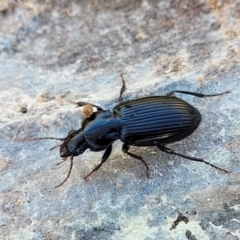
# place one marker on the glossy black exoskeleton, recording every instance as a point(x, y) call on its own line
point(150, 121)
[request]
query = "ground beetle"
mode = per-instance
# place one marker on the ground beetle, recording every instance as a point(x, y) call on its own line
point(150, 121)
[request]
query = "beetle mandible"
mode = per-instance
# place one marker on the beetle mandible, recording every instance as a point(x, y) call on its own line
point(150, 121)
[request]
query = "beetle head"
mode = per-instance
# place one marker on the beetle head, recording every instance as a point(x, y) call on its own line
point(74, 144)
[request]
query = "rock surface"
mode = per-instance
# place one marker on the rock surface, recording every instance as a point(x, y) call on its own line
point(57, 52)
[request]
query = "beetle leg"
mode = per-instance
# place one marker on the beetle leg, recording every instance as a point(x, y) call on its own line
point(197, 94)
point(104, 158)
point(123, 89)
point(170, 151)
point(125, 149)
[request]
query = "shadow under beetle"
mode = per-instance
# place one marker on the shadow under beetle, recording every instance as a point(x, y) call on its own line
point(150, 121)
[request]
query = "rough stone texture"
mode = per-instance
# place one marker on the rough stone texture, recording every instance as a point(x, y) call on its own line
point(57, 52)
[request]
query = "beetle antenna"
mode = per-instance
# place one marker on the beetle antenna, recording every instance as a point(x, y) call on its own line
point(69, 172)
point(42, 138)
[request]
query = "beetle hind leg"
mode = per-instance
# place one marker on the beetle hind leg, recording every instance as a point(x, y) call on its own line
point(170, 151)
point(125, 149)
point(197, 94)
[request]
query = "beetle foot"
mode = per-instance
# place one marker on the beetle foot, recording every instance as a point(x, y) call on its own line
point(88, 175)
point(85, 178)
point(94, 170)
point(218, 168)
point(170, 151)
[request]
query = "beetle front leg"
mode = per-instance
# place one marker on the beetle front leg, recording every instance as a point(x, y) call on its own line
point(104, 159)
point(170, 151)
point(125, 149)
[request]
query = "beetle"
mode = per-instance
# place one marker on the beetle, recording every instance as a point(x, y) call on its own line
point(150, 121)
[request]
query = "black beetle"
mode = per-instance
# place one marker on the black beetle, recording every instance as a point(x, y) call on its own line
point(150, 121)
